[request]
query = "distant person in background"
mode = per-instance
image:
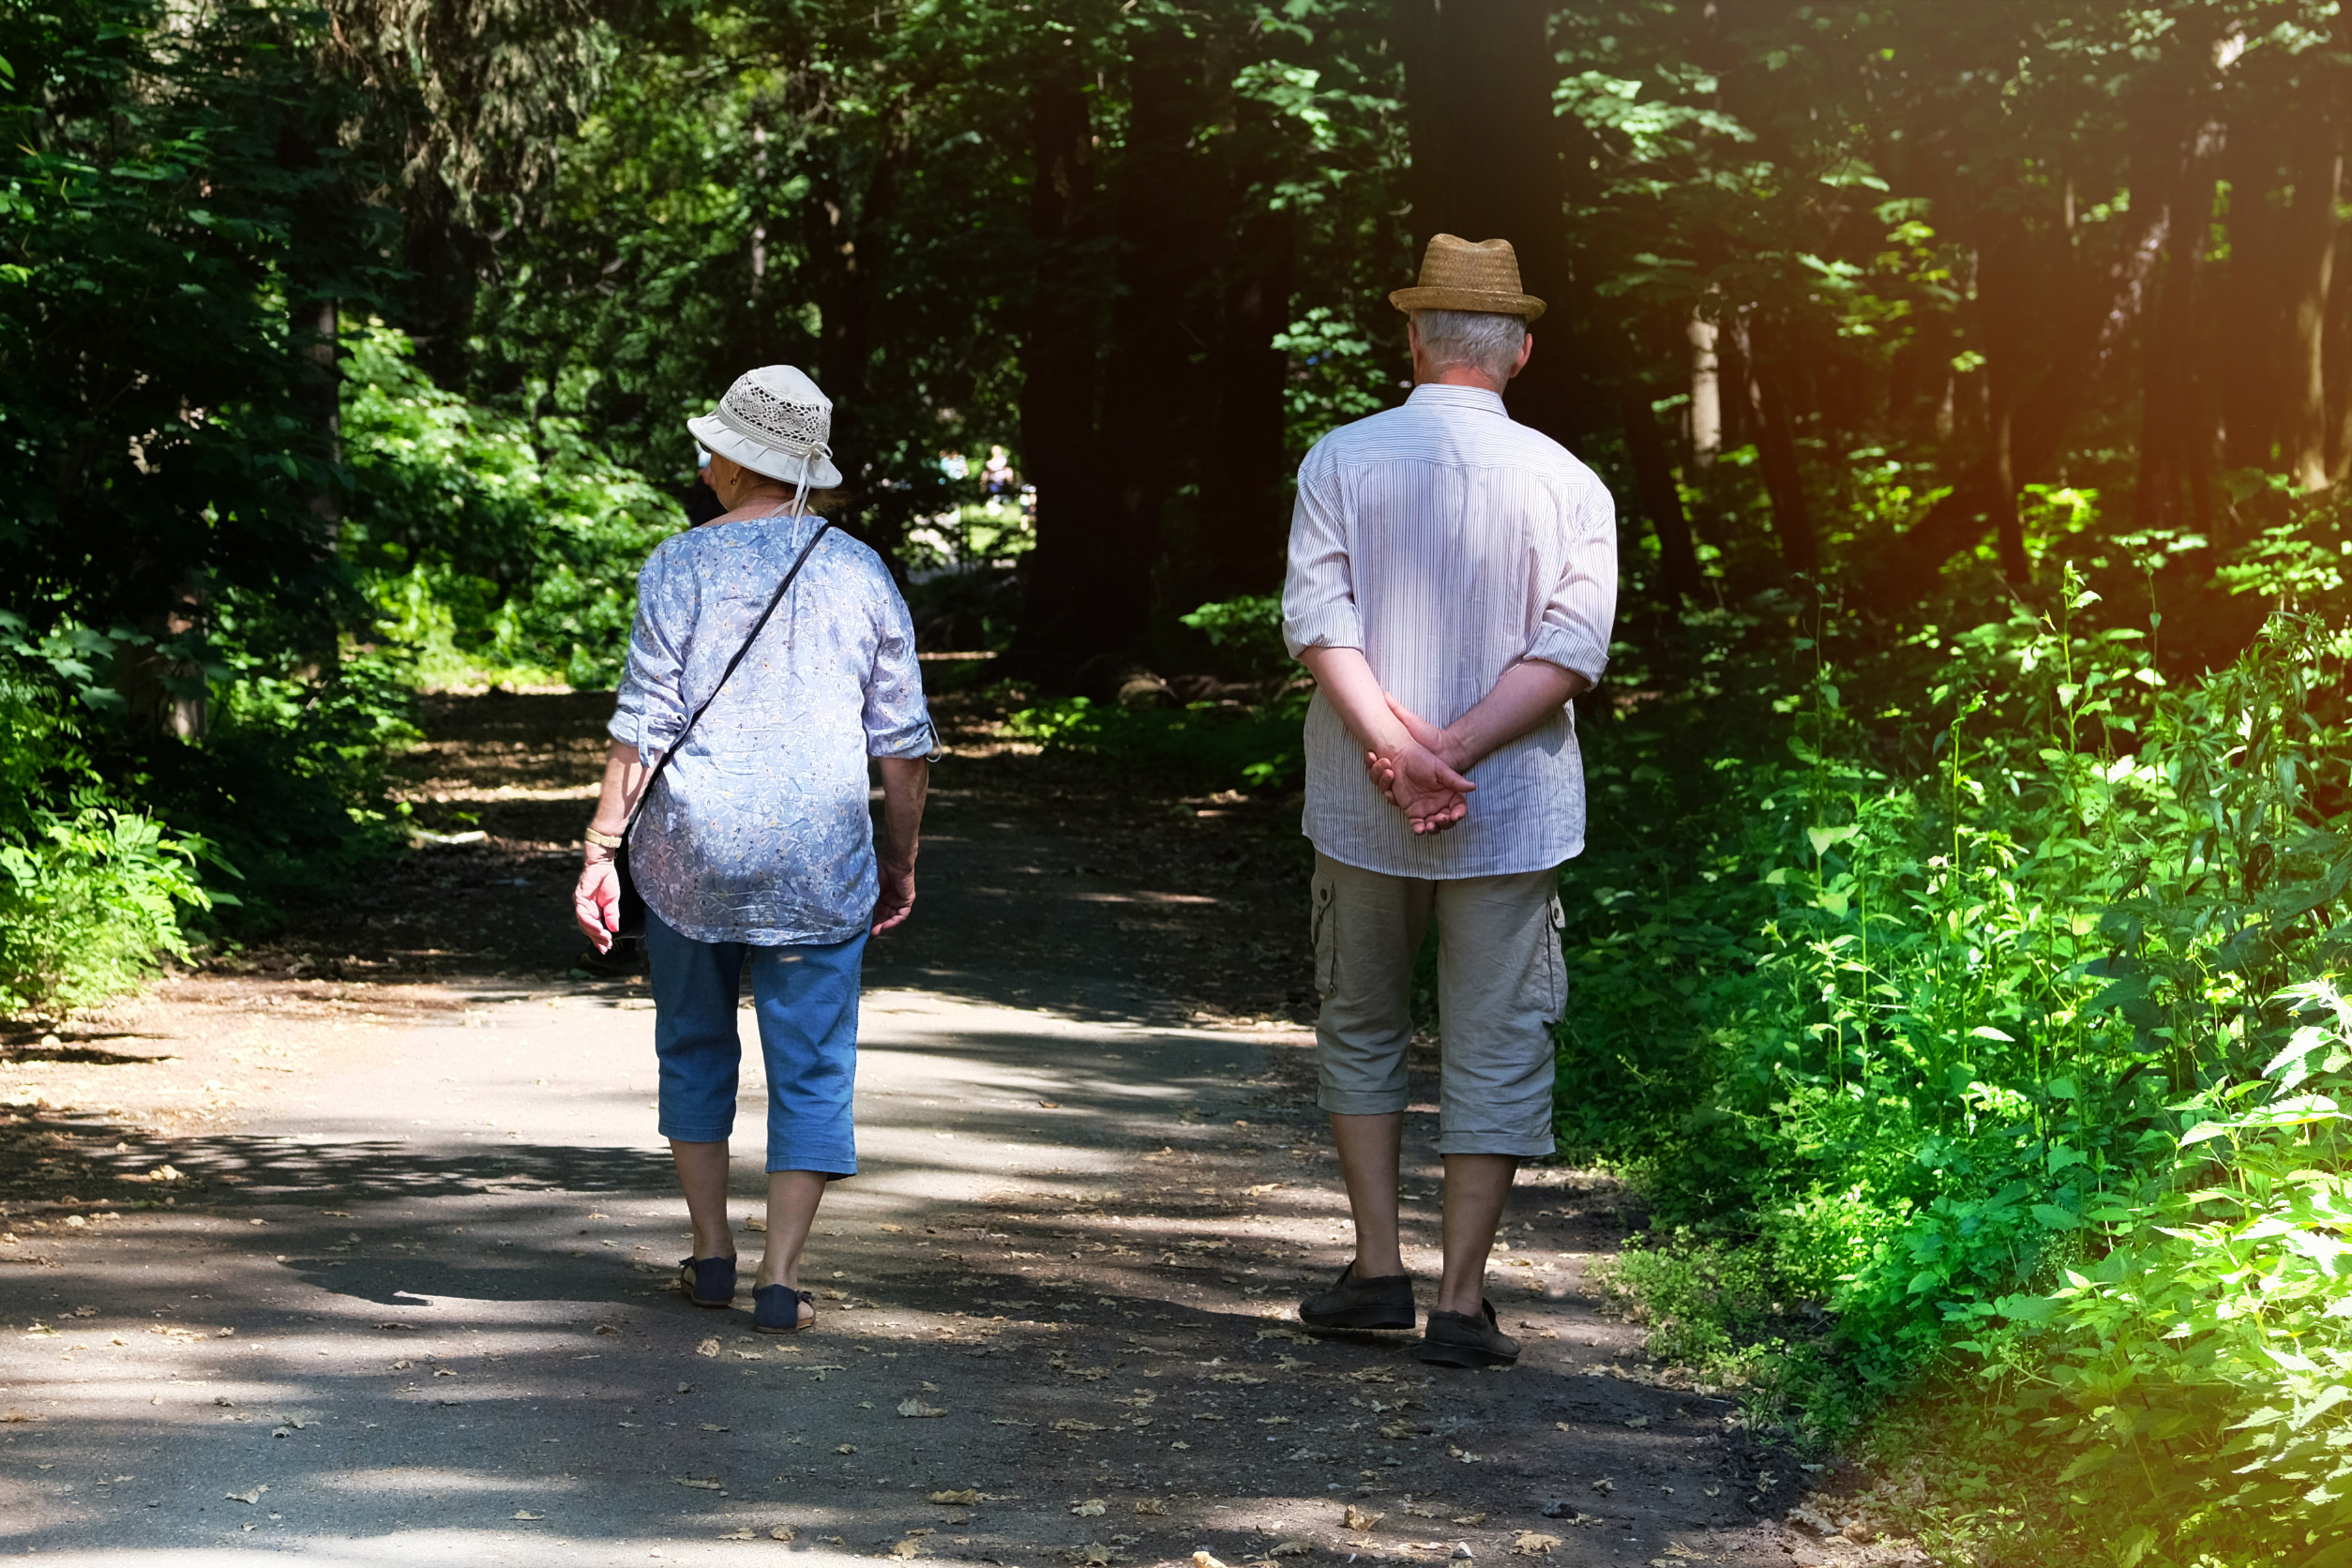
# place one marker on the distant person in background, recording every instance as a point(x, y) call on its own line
point(754, 849)
point(1453, 580)
point(997, 478)
point(701, 502)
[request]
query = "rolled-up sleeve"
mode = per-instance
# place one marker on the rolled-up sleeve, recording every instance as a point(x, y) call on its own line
point(1582, 606)
point(650, 711)
point(897, 720)
point(1319, 594)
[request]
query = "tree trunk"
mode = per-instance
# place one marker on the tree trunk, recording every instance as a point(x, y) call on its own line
point(1661, 499)
point(1058, 370)
point(1486, 165)
point(2006, 277)
point(2314, 217)
point(1776, 452)
point(1244, 522)
point(847, 236)
point(1706, 391)
point(1091, 584)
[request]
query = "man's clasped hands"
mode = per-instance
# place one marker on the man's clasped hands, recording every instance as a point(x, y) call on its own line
point(1421, 776)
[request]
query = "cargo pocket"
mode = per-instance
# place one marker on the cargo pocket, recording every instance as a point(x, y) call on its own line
point(1326, 938)
point(1556, 966)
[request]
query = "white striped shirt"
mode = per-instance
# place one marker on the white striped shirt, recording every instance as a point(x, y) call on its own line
point(1449, 543)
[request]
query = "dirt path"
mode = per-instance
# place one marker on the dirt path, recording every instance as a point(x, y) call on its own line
point(377, 1221)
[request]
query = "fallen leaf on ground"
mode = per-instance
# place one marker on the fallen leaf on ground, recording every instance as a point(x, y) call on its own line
point(1242, 1378)
point(12, 1417)
point(1605, 1487)
point(908, 1548)
point(1361, 1519)
point(1472, 1520)
point(743, 1535)
point(1089, 1508)
point(607, 1328)
point(1202, 1560)
point(964, 1499)
point(1637, 1422)
point(1069, 1424)
point(846, 1448)
point(891, 1229)
point(755, 1225)
point(1150, 1505)
point(710, 1485)
point(1812, 1519)
point(1423, 1510)
point(1290, 1549)
point(782, 1532)
point(708, 1348)
point(1529, 1544)
point(526, 1514)
point(1401, 1430)
point(252, 1497)
point(708, 1427)
point(1009, 1421)
point(1093, 1555)
point(912, 1406)
point(1293, 1336)
point(1273, 1420)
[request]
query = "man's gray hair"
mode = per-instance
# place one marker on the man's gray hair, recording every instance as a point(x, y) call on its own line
point(1482, 341)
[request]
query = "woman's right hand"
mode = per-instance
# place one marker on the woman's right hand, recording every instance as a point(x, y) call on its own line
point(596, 903)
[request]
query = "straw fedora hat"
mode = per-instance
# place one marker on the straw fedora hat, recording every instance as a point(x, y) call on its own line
point(773, 421)
point(1456, 275)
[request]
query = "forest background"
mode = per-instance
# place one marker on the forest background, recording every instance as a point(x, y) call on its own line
point(1959, 961)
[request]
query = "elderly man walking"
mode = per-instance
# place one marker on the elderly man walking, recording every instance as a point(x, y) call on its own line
point(1453, 577)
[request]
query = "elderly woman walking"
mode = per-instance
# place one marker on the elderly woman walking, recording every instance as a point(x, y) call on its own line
point(772, 656)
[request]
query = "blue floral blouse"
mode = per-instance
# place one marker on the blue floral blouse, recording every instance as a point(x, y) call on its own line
point(759, 831)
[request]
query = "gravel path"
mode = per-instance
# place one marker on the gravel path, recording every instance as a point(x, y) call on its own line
point(362, 1251)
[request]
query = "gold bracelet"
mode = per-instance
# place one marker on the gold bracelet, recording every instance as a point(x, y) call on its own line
point(603, 841)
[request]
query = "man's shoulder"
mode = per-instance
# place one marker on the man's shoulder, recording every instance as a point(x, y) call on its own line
point(1406, 432)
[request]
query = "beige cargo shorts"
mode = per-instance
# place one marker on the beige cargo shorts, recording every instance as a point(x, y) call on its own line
point(1502, 985)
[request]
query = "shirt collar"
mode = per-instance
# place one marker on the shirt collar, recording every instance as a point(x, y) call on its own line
point(1477, 399)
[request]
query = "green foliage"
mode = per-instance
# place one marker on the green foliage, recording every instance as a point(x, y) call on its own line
point(91, 890)
point(492, 545)
point(91, 897)
point(1248, 629)
point(1938, 1025)
point(1215, 746)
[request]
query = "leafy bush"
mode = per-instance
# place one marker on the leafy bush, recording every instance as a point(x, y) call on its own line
point(91, 890)
point(1912, 1020)
point(91, 899)
point(493, 544)
point(1215, 744)
point(1248, 629)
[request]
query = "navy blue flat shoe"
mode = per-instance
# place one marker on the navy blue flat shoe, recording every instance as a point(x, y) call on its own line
point(775, 1309)
point(708, 1281)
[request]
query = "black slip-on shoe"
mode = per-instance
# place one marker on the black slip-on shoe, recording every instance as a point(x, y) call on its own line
point(1458, 1339)
point(1353, 1303)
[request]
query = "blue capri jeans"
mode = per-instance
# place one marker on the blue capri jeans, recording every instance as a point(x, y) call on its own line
point(806, 999)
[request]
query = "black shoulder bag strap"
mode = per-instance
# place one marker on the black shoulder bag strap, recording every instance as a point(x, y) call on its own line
point(630, 910)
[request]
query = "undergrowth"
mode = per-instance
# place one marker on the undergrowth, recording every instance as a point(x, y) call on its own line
point(1920, 1003)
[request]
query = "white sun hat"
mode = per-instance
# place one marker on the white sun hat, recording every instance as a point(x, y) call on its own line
point(773, 421)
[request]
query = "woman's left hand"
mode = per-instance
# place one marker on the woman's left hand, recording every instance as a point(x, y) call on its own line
point(596, 903)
